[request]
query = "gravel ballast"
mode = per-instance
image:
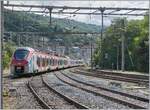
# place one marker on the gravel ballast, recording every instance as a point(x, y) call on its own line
point(116, 85)
point(81, 96)
point(22, 97)
point(51, 98)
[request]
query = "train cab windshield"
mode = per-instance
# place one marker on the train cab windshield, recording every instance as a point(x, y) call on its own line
point(21, 54)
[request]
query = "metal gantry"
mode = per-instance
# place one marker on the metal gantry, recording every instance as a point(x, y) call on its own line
point(96, 10)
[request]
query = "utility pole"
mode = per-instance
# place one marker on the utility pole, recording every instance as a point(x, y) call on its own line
point(43, 42)
point(102, 12)
point(50, 16)
point(33, 41)
point(117, 57)
point(1, 49)
point(123, 47)
point(91, 54)
point(19, 38)
point(25, 40)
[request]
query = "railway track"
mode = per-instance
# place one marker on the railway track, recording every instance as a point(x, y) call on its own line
point(40, 100)
point(113, 77)
point(119, 98)
point(45, 105)
point(137, 76)
point(107, 89)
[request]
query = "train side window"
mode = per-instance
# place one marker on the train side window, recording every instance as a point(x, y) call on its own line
point(47, 61)
point(50, 61)
point(43, 61)
point(58, 62)
point(37, 62)
point(65, 62)
point(53, 62)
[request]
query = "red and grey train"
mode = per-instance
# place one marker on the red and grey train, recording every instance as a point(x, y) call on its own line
point(26, 60)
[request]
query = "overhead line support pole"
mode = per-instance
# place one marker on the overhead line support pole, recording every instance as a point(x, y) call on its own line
point(102, 12)
point(91, 52)
point(123, 48)
point(50, 16)
point(1, 49)
point(117, 57)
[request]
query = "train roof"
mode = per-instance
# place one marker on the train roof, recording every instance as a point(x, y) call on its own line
point(43, 51)
point(26, 48)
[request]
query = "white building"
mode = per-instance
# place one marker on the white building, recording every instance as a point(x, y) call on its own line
point(85, 52)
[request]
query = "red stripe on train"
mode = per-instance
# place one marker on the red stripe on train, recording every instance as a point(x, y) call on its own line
point(19, 62)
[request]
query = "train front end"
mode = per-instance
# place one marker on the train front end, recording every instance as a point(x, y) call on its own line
point(19, 63)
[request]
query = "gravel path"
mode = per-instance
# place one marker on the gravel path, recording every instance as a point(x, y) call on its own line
point(51, 98)
point(116, 85)
point(83, 97)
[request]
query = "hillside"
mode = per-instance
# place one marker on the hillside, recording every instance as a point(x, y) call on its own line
point(14, 21)
point(29, 22)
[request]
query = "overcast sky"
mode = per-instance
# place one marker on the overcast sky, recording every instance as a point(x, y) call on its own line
point(92, 3)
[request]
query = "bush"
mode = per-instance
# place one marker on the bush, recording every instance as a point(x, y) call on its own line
point(7, 54)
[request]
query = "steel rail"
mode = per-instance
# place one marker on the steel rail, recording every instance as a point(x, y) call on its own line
point(119, 78)
point(137, 76)
point(116, 99)
point(77, 104)
point(40, 100)
point(111, 90)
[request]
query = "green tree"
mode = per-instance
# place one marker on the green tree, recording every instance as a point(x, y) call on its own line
point(136, 45)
